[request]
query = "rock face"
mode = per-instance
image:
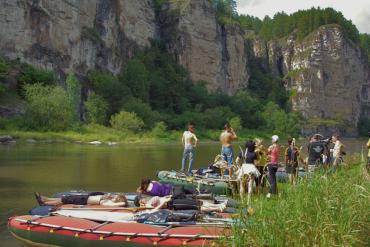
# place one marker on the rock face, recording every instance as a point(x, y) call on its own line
point(211, 52)
point(80, 35)
point(327, 74)
point(75, 35)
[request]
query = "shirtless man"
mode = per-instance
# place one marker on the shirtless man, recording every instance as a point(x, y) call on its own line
point(226, 138)
point(189, 141)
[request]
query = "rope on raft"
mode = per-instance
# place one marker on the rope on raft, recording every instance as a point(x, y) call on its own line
point(108, 233)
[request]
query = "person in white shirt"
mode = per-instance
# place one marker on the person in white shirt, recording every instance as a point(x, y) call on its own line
point(189, 141)
point(337, 151)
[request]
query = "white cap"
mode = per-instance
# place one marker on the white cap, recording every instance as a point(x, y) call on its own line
point(275, 138)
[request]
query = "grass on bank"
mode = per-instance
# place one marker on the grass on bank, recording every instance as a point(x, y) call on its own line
point(93, 132)
point(328, 210)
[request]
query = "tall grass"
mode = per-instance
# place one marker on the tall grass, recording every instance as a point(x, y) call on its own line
point(327, 210)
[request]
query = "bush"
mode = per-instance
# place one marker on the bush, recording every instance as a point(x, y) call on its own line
point(279, 121)
point(126, 121)
point(48, 108)
point(159, 129)
point(110, 88)
point(96, 109)
point(236, 123)
point(215, 118)
point(143, 110)
point(31, 75)
point(136, 77)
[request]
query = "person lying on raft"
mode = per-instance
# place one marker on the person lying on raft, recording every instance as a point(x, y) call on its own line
point(98, 198)
point(155, 188)
point(168, 202)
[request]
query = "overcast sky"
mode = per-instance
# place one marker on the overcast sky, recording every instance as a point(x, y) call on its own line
point(356, 10)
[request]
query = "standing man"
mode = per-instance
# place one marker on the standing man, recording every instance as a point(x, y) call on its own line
point(226, 138)
point(189, 141)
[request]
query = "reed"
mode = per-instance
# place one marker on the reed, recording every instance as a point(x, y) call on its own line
point(326, 210)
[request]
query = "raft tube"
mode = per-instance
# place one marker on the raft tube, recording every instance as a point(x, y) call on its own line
point(283, 177)
point(69, 231)
point(208, 185)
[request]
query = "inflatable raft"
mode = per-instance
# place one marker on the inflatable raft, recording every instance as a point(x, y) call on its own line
point(210, 185)
point(71, 231)
point(283, 177)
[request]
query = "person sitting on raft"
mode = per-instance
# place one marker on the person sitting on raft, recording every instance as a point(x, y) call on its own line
point(155, 188)
point(94, 198)
point(168, 202)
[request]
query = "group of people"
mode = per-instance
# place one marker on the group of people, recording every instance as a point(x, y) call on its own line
point(254, 162)
point(322, 153)
point(152, 195)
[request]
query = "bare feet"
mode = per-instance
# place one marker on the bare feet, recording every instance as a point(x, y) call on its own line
point(38, 199)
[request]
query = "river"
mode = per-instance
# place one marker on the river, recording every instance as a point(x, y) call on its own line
point(51, 168)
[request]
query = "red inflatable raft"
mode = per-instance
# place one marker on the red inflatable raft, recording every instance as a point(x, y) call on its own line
point(69, 231)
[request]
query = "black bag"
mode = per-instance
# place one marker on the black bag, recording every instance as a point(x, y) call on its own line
point(163, 216)
point(159, 217)
point(183, 216)
point(185, 204)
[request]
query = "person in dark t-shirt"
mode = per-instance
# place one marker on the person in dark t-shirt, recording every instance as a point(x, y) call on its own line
point(316, 149)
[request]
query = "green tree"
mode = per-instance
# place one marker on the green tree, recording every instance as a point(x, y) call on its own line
point(215, 118)
point(236, 123)
point(31, 75)
point(110, 88)
point(74, 94)
point(126, 121)
point(96, 109)
point(143, 110)
point(365, 43)
point(159, 129)
point(48, 108)
point(279, 121)
point(136, 77)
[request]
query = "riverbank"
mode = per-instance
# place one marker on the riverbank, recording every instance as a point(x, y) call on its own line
point(103, 135)
point(329, 210)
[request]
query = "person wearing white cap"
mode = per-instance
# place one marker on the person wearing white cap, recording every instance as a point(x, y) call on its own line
point(273, 152)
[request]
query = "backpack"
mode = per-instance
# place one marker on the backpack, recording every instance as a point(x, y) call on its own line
point(184, 204)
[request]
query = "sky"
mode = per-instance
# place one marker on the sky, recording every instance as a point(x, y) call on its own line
point(356, 10)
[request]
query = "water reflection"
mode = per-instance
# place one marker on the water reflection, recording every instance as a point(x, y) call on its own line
point(49, 168)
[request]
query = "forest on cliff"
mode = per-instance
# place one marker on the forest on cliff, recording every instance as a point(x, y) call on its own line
point(154, 94)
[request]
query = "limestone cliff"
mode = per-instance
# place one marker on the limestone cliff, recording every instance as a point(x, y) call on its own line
point(212, 52)
point(327, 74)
point(75, 35)
point(80, 35)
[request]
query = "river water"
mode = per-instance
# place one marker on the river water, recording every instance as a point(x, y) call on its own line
point(51, 168)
